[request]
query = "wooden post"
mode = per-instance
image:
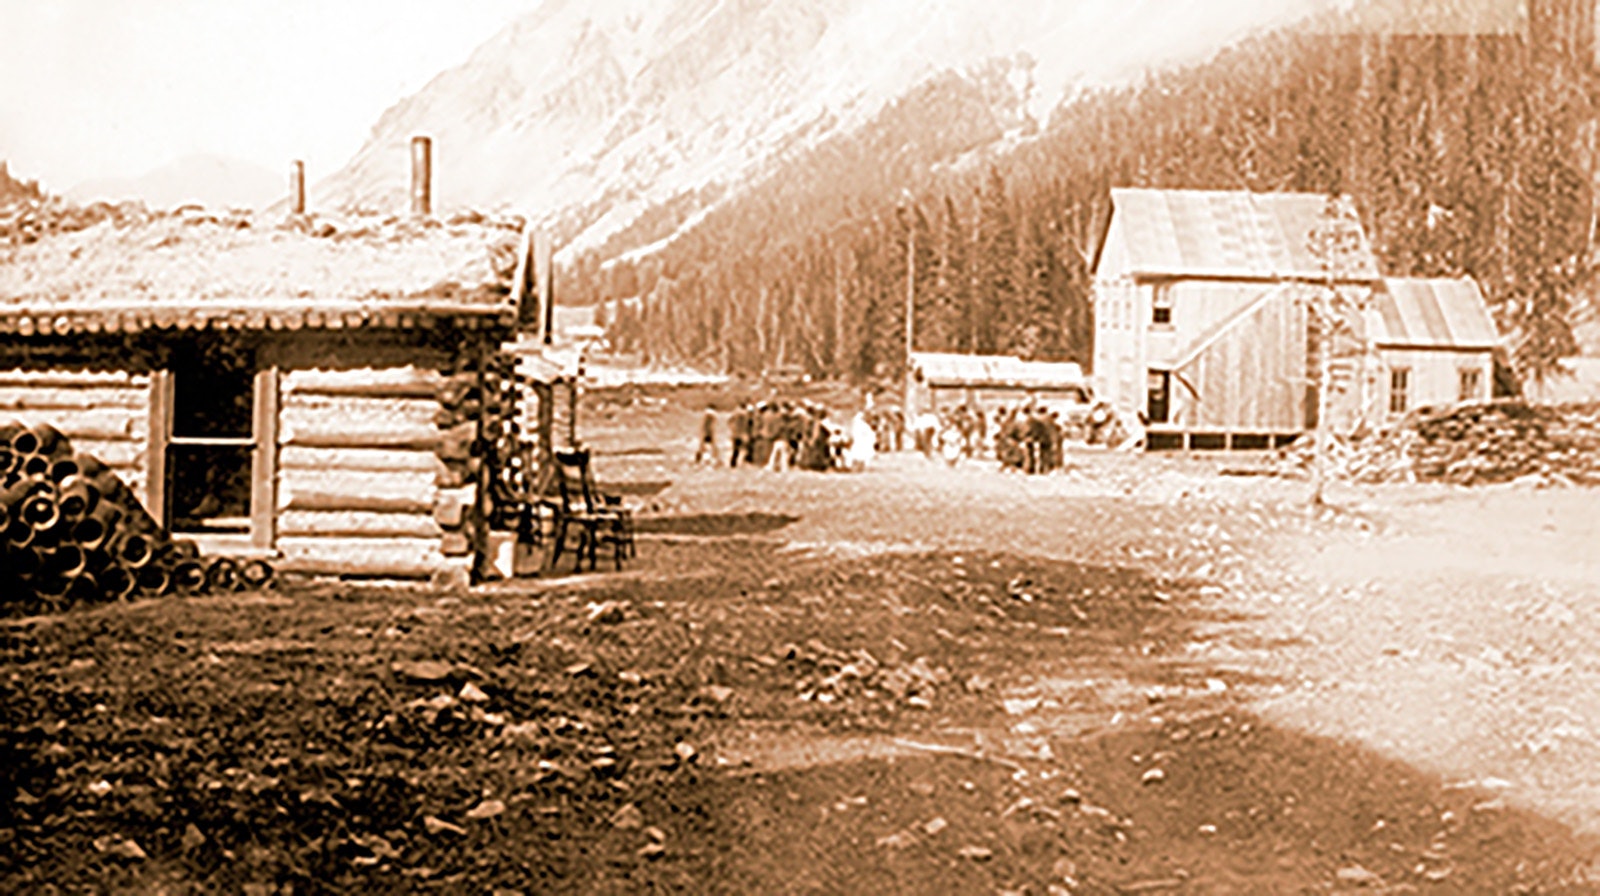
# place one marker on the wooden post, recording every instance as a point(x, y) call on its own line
point(155, 486)
point(297, 187)
point(264, 461)
point(572, 413)
point(421, 175)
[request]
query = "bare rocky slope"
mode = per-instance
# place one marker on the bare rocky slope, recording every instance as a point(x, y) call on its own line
point(638, 116)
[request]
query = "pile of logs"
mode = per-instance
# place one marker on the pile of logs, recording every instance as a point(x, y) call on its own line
point(1484, 443)
point(72, 532)
point(481, 437)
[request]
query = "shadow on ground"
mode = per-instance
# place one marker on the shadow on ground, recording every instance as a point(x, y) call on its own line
point(715, 525)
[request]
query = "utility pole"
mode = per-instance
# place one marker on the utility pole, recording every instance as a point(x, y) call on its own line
point(908, 204)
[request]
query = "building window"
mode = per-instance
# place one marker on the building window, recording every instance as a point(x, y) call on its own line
point(213, 434)
point(1158, 385)
point(1161, 306)
point(1471, 384)
point(1399, 389)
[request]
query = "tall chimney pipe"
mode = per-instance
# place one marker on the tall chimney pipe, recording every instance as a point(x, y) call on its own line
point(544, 275)
point(421, 175)
point(297, 187)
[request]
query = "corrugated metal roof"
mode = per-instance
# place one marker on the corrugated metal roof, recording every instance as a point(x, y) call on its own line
point(1441, 313)
point(202, 272)
point(1222, 233)
point(996, 371)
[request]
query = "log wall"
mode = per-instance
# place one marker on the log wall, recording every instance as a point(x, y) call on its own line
point(359, 478)
point(104, 414)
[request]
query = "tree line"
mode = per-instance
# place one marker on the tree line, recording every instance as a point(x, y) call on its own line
point(1465, 155)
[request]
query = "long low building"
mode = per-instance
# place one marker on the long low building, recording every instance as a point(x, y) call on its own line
point(941, 380)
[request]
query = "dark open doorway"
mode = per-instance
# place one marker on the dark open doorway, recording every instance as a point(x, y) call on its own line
point(209, 454)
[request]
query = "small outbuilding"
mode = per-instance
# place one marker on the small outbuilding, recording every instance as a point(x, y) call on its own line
point(1435, 341)
point(941, 381)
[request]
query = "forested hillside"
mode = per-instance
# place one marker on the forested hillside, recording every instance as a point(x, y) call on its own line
point(13, 188)
point(1466, 153)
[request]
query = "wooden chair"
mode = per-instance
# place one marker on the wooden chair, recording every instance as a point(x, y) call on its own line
point(619, 535)
point(577, 507)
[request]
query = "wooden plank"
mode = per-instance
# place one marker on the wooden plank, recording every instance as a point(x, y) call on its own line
point(119, 455)
point(334, 567)
point(357, 524)
point(399, 557)
point(317, 412)
point(406, 492)
point(104, 424)
point(56, 398)
point(299, 457)
point(370, 382)
point(264, 460)
point(412, 439)
point(78, 379)
point(159, 431)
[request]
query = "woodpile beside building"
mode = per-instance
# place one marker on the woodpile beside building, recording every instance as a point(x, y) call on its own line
point(1483, 443)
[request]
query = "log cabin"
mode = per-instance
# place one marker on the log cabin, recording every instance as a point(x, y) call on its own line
point(331, 393)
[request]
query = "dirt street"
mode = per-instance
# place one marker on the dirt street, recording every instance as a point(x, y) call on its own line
point(1137, 676)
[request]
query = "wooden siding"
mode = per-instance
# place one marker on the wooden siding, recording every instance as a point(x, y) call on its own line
point(1250, 377)
point(104, 414)
point(1118, 374)
point(358, 477)
point(1435, 377)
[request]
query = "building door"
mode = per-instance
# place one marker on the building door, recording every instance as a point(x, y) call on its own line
point(213, 452)
point(1159, 394)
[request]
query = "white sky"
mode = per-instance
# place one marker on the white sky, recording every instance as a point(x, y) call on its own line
point(115, 88)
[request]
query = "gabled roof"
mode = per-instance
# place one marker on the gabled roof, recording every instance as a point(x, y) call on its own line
point(1223, 234)
point(995, 372)
point(198, 271)
point(1432, 313)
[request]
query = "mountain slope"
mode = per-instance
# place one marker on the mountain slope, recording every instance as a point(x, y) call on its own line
point(594, 116)
point(212, 181)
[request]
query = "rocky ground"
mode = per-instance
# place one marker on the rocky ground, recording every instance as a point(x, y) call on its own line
point(1139, 676)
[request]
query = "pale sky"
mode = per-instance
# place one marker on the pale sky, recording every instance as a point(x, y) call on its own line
point(115, 88)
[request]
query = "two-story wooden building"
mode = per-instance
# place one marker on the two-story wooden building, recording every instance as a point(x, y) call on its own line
point(1202, 329)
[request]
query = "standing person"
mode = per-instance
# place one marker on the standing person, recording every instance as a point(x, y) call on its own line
point(739, 430)
point(781, 448)
point(1038, 438)
point(708, 437)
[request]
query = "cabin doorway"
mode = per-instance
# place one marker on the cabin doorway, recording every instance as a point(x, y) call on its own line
point(203, 436)
point(208, 464)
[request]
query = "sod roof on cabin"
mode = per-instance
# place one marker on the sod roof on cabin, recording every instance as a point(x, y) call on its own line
point(198, 271)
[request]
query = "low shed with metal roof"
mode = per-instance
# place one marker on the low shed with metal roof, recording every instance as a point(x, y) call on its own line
point(1435, 339)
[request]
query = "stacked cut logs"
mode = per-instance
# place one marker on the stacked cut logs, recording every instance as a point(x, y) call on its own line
point(72, 532)
point(486, 466)
point(1485, 443)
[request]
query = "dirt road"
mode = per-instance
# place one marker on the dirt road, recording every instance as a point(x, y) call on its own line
point(1138, 676)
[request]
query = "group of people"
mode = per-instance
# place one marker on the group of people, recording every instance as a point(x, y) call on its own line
point(1029, 438)
point(777, 435)
point(780, 435)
